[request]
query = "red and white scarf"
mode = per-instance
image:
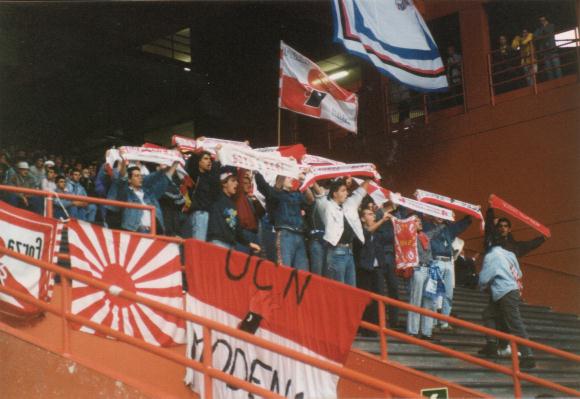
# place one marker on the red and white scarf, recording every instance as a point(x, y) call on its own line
point(406, 250)
point(267, 163)
point(422, 207)
point(447, 202)
point(188, 144)
point(316, 173)
point(498, 203)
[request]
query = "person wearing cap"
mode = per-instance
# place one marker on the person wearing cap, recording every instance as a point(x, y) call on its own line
point(131, 186)
point(23, 179)
point(224, 228)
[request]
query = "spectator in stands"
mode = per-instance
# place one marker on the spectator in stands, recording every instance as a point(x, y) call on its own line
point(376, 263)
point(442, 251)
point(24, 180)
point(465, 273)
point(505, 68)
point(48, 183)
point(132, 187)
point(61, 205)
point(285, 204)
point(418, 325)
point(454, 73)
point(37, 170)
point(342, 224)
point(547, 49)
point(500, 274)
point(224, 227)
point(524, 43)
point(315, 227)
point(248, 207)
point(205, 174)
point(88, 182)
point(80, 210)
point(172, 202)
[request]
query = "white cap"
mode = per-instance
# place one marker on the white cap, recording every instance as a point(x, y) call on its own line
point(22, 165)
point(49, 163)
point(225, 175)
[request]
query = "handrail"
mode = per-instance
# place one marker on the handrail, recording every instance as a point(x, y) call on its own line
point(512, 339)
point(207, 323)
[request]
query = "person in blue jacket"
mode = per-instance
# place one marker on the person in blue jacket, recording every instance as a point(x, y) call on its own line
point(132, 187)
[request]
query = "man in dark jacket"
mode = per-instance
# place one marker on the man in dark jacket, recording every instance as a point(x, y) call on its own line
point(224, 227)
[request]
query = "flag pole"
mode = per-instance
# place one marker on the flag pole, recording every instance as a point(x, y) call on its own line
point(279, 126)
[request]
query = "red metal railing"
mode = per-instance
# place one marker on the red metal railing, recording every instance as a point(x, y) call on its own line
point(508, 74)
point(210, 325)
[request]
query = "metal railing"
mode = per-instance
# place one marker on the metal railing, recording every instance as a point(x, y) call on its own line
point(515, 70)
point(205, 367)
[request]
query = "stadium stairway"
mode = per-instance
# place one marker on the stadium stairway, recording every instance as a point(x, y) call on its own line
point(559, 330)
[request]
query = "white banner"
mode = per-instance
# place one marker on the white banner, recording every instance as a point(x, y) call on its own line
point(203, 143)
point(332, 171)
point(465, 207)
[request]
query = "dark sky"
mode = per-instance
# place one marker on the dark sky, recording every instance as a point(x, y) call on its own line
point(72, 75)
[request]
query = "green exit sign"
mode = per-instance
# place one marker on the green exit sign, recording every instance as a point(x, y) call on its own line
point(435, 393)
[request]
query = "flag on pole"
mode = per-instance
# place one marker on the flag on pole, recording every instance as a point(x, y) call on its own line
point(393, 36)
point(305, 89)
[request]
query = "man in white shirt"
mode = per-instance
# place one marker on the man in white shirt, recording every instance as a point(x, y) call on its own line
point(342, 225)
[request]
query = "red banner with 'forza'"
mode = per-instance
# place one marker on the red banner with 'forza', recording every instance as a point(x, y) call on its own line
point(29, 234)
point(295, 309)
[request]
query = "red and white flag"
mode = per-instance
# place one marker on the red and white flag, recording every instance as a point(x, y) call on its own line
point(292, 308)
point(406, 251)
point(144, 266)
point(29, 234)
point(498, 203)
point(305, 89)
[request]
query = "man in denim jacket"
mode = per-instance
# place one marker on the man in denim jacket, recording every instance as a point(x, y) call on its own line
point(132, 187)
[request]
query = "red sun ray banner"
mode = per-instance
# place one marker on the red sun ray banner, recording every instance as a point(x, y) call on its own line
point(147, 267)
point(295, 309)
point(33, 235)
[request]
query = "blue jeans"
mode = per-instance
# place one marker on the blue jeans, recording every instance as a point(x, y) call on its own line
point(340, 265)
point(552, 65)
point(87, 213)
point(447, 271)
point(317, 249)
point(416, 297)
point(199, 221)
point(222, 244)
point(250, 236)
point(291, 249)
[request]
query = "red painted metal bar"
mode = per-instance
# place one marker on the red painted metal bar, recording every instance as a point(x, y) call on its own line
point(491, 90)
point(207, 363)
point(516, 370)
point(324, 365)
point(65, 308)
point(383, 324)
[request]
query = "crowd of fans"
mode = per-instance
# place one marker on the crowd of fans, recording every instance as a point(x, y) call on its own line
point(333, 229)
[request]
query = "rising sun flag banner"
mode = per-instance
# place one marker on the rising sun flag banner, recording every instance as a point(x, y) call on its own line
point(147, 267)
point(394, 37)
point(28, 234)
point(295, 309)
point(305, 89)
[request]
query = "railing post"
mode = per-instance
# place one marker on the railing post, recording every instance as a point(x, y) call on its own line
point(491, 89)
point(153, 222)
point(48, 207)
point(207, 363)
point(516, 370)
point(382, 325)
point(64, 308)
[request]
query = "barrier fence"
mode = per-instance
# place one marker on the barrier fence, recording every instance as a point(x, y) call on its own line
point(63, 311)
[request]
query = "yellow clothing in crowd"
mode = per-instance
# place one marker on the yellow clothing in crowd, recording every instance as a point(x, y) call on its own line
point(526, 46)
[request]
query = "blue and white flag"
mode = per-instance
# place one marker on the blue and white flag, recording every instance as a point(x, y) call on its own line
point(393, 36)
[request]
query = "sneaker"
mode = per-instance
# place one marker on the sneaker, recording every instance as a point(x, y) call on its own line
point(506, 352)
point(446, 327)
point(527, 363)
point(489, 350)
point(428, 338)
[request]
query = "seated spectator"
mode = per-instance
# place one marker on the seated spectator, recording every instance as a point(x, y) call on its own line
point(80, 210)
point(88, 182)
point(286, 204)
point(37, 170)
point(48, 182)
point(61, 205)
point(24, 180)
point(224, 227)
point(342, 225)
point(132, 187)
point(547, 49)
